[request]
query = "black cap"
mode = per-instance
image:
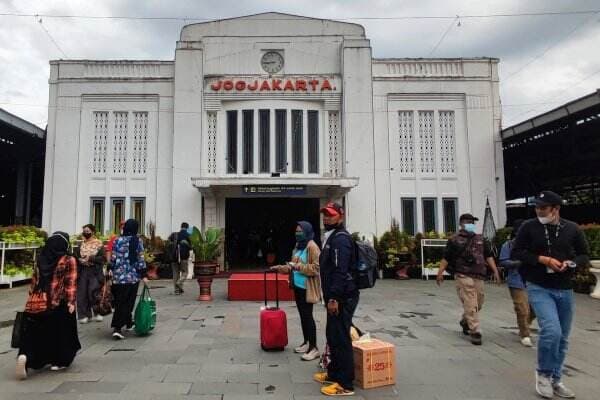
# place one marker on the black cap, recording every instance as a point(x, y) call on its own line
point(548, 198)
point(332, 209)
point(467, 217)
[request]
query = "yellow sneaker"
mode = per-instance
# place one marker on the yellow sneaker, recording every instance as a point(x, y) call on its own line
point(336, 390)
point(321, 377)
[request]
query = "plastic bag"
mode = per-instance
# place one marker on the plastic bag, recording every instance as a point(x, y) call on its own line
point(145, 313)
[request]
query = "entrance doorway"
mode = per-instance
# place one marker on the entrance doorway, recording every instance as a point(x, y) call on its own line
point(260, 231)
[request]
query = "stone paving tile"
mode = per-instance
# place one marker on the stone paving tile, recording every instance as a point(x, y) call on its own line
point(210, 351)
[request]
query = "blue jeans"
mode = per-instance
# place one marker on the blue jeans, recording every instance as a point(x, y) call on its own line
point(554, 309)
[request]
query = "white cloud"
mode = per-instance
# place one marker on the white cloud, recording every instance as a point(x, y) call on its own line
point(553, 79)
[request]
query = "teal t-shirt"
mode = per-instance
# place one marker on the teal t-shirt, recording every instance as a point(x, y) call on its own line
point(299, 277)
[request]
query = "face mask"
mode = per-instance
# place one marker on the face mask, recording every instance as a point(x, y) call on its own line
point(87, 235)
point(299, 236)
point(470, 228)
point(545, 220)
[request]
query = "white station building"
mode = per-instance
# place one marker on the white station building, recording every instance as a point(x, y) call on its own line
point(262, 119)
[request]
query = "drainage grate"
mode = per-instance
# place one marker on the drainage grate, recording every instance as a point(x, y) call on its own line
point(118, 350)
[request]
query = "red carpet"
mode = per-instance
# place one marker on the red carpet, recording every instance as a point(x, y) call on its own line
point(251, 287)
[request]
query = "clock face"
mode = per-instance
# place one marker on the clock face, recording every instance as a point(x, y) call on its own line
point(272, 62)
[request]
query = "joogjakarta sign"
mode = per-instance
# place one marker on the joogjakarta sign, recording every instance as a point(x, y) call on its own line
point(273, 85)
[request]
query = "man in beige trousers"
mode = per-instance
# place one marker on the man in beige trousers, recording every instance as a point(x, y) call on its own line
point(469, 255)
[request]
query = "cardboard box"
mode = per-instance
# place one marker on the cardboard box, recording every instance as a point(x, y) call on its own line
point(374, 363)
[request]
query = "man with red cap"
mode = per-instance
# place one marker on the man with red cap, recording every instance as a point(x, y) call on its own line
point(341, 296)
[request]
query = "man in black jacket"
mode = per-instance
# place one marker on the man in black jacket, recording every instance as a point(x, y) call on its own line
point(180, 265)
point(550, 248)
point(341, 296)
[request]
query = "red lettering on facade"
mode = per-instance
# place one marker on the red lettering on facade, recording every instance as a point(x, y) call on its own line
point(301, 85)
point(313, 84)
point(326, 85)
point(253, 86)
point(228, 85)
point(240, 85)
point(289, 85)
point(216, 85)
point(265, 86)
point(275, 85)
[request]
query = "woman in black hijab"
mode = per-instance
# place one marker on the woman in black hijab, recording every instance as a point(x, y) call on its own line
point(50, 328)
point(127, 268)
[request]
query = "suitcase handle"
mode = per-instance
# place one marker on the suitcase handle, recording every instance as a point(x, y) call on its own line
point(276, 287)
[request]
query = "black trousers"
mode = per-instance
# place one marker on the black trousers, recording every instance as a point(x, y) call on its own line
point(309, 328)
point(341, 367)
point(124, 301)
point(89, 281)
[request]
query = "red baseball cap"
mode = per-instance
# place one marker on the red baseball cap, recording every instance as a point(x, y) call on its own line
point(332, 209)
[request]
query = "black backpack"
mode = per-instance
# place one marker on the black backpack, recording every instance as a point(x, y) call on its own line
point(171, 249)
point(364, 264)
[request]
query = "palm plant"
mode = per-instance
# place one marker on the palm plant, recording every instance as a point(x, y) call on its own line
point(206, 245)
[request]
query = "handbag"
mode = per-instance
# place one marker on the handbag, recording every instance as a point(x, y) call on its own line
point(104, 300)
point(37, 302)
point(145, 313)
point(18, 330)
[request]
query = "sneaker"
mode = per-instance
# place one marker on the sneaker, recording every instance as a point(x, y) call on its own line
point(465, 326)
point(303, 348)
point(56, 368)
point(98, 318)
point(321, 377)
point(335, 389)
point(561, 390)
point(311, 355)
point(543, 385)
point(117, 335)
point(476, 338)
point(21, 367)
point(84, 320)
point(130, 328)
point(526, 341)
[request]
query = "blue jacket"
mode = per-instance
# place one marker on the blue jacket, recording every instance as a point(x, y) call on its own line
point(513, 278)
point(335, 262)
point(183, 243)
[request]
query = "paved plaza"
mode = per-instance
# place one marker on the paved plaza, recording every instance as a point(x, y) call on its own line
point(210, 351)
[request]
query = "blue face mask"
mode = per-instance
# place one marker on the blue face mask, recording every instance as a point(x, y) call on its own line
point(470, 228)
point(190, 230)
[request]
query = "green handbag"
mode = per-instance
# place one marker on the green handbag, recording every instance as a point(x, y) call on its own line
point(145, 313)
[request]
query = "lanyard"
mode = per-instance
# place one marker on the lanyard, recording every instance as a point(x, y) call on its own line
point(549, 243)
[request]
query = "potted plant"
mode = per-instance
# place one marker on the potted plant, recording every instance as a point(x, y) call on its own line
point(207, 248)
point(153, 250)
point(396, 249)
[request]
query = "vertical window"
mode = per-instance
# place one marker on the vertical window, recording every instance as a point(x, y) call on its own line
point(297, 140)
point(138, 212)
point(281, 140)
point(100, 142)
point(232, 142)
point(447, 142)
point(120, 142)
point(450, 214)
point(313, 142)
point(140, 142)
point(117, 214)
point(264, 125)
point(334, 145)
point(409, 216)
point(97, 214)
point(427, 142)
point(429, 215)
point(248, 142)
point(211, 119)
point(407, 148)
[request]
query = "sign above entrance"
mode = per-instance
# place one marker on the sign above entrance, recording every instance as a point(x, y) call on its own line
point(317, 85)
point(261, 190)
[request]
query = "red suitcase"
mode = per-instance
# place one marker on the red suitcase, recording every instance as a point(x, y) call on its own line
point(273, 323)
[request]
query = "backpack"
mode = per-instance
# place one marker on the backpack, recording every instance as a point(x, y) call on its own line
point(171, 249)
point(364, 263)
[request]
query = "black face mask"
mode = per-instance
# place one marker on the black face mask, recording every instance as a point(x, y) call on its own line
point(87, 235)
